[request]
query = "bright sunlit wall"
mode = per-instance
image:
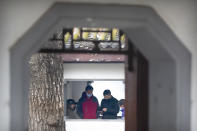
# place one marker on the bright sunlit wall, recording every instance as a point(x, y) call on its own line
point(117, 89)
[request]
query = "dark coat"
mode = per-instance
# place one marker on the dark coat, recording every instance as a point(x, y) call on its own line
point(112, 108)
point(71, 114)
point(83, 100)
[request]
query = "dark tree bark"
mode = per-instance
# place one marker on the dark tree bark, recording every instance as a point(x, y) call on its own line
point(46, 95)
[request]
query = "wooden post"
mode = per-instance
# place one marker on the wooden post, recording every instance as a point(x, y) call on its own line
point(131, 96)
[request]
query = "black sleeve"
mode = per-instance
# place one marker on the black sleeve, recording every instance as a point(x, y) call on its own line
point(79, 108)
point(115, 108)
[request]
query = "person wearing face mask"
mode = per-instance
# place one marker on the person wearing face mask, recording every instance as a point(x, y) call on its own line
point(88, 107)
point(109, 106)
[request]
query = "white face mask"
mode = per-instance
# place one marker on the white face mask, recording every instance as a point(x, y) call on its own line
point(88, 95)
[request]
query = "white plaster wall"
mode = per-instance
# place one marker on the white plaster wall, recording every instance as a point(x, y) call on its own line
point(162, 96)
point(17, 17)
point(93, 71)
point(117, 89)
point(96, 125)
point(68, 90)
point(77, 88)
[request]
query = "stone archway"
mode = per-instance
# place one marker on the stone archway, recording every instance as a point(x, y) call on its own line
point(170, 61)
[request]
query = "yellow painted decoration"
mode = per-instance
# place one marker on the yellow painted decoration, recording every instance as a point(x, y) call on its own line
point(115, 34)
point(122, 38)
point(95, 29)
point(67, 37)
point(85, 35)
point(76, 33)
point(101, 36)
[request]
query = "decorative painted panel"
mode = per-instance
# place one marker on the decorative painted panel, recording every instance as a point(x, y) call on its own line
point(90, 39)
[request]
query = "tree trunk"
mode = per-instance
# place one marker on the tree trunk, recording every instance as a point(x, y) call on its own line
point(46, 95)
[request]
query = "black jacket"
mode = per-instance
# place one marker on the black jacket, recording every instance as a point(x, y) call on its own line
point(112, 108)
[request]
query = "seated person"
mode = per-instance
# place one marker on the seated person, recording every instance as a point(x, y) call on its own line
point(71, 112)
point(109, 106)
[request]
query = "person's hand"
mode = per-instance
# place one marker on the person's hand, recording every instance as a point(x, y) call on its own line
point(104, 109)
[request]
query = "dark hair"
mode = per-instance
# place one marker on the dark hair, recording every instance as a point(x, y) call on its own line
point(89, 87)
point(71, 101)
point(83, 94)
point(122, 102)
point(107, 92)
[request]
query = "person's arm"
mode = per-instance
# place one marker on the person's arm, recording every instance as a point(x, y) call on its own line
point(101, 107)
point(115, 109)
point(79, 109)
